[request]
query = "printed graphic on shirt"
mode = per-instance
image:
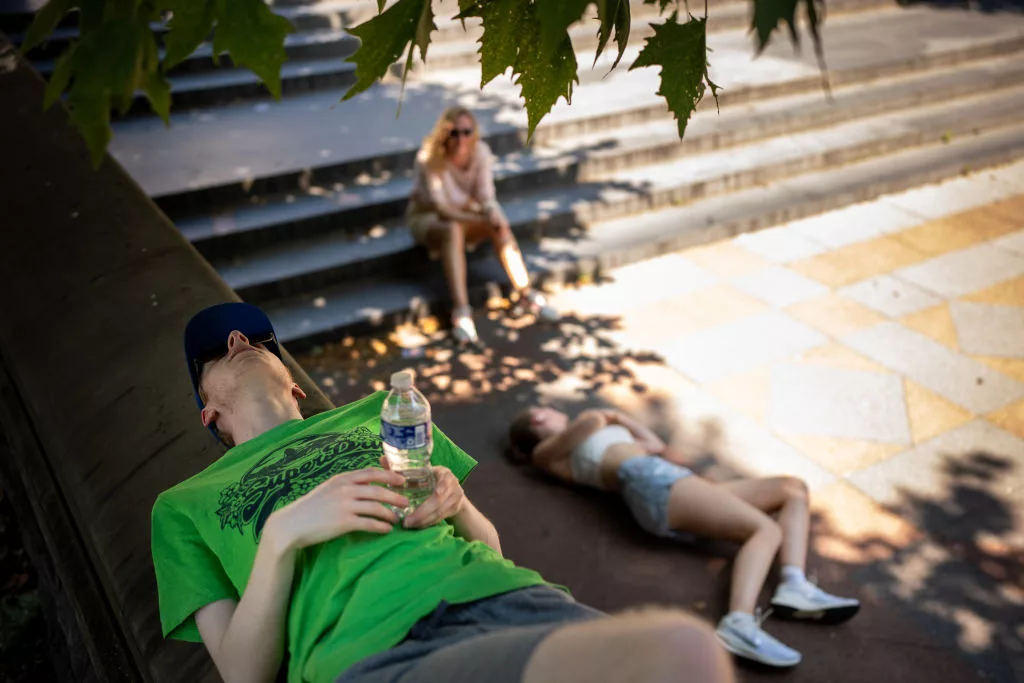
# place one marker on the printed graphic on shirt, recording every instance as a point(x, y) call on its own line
point(292, 470)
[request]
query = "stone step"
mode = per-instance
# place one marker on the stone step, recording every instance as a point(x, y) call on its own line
point(304, 265)
point(355, 307)
point(594, 157)
point(381, 144)
point(320, 44)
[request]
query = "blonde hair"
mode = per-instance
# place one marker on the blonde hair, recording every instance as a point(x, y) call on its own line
point(434, 149)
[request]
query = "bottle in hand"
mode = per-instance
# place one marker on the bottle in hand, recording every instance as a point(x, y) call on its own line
point(407, 440)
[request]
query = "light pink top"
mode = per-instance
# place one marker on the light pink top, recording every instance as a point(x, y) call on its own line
point(453, 187)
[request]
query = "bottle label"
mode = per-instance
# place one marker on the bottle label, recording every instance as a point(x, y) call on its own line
point(406, 437)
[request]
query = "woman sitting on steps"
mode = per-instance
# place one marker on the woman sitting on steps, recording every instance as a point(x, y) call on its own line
point(613, 452)
point(453, 208)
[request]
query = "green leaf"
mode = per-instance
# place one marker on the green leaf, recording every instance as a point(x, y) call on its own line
point(554, 19)
point(44, 23)
point(254, 37)
point(613, 15)
point(504, 22)
point(104, 67)
point(150, 78)
point(60, 77)
point(424, 27)
point(190, 24)
point(681, 52)
point(766, 17)
point(544, 77)
point(385, 37)
point(380, 5)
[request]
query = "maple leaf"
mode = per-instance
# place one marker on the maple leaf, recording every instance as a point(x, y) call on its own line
point(681, 52)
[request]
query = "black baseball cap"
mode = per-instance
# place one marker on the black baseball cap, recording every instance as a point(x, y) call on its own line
point(206, 336)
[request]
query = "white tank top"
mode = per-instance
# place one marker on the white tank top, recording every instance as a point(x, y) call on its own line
point(585, 459)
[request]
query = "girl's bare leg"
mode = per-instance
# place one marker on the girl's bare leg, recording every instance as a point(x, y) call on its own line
point(706, 509)
point(788, 496)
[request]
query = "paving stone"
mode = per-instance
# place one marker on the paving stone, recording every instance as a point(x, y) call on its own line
point(834, 402)
point(891, 296)
point(964, 271)
point(739, 346)
point(780, 286)
point(963, 381)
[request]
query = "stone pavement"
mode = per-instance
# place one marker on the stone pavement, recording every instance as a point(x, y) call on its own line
point(876, 351)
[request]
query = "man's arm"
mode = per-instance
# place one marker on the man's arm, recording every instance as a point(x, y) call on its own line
point(449, 502)
point(471, 525)
point(246, 638)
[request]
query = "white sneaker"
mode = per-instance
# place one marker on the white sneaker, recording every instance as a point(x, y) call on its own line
point(464, 329)
point(804, 600)
point(742, 635)
point(540, 307)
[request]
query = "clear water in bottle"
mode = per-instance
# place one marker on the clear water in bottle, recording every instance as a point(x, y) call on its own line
point(406, 438)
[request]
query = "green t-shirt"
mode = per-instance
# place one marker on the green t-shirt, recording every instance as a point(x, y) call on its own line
point(351, 597)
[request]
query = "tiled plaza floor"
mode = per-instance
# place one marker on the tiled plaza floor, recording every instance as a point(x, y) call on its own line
point(877, 352)
point(853, 349)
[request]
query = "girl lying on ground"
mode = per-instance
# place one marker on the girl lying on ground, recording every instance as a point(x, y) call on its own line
point(613, 452)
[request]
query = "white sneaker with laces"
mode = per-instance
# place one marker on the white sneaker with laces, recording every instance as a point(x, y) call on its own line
point(742, 635)
point(804, 600)
point(540, 307)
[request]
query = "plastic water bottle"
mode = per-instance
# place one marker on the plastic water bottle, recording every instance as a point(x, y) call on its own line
point(407, 439)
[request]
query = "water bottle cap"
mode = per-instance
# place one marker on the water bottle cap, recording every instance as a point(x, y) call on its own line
point(401, 380)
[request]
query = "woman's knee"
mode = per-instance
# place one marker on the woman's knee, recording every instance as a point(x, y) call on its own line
point(769, 530)
point(795, 489)
point(448, 232)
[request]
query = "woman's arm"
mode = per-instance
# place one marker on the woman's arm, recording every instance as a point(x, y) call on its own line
point(561, 445)
point(423, 198)
point(644, 436)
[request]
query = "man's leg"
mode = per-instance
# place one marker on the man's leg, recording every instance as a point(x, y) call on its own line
point(644, 646)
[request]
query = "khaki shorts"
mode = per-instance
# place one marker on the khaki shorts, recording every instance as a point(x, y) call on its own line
point(421, 221)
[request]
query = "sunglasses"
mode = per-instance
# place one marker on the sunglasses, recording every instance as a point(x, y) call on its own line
point(221, 350)
point(464, 132)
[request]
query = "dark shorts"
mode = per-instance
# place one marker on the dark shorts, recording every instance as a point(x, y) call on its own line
point(486, 640)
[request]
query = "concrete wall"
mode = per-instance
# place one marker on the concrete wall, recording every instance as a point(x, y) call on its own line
point(95, 402)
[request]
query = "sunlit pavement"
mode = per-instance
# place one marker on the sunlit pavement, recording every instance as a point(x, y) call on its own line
point(877, 352)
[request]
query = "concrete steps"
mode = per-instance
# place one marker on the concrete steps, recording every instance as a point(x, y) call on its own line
point(303, 265)
point(352, 308)
point(584, 158)
point(299, 204)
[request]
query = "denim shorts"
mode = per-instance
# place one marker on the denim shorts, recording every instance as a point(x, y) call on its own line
point(486, 640)
point(646, 482)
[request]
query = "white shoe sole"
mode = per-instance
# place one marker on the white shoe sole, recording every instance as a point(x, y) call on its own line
point(829, 615)
point(740, 650)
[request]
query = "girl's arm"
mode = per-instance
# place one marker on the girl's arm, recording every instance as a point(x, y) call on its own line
point(559, 447)
point(644, 436)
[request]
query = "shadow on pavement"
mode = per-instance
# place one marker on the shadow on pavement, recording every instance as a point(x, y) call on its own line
point(942, 603)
